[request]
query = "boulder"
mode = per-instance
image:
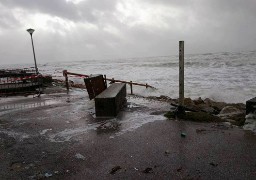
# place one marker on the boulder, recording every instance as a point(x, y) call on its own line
point(208, 101)
point(188, 102)
point(199, 117)
point(198, 101)
point(229, 110)
point(239, 106)
point(218, 105)
point(233, 115)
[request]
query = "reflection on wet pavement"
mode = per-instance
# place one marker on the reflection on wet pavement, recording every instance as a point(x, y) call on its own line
point(137, 113)
point(76, 117)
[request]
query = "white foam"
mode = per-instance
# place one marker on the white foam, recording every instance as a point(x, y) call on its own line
point(231, 74)
point(20, 136)
point(250, 122)
point(68, 134)
point(44, 131)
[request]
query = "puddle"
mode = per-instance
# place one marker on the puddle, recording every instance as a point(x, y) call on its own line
point(116, 126)
point(21, 106)
point(138, 112)
point(135, 120)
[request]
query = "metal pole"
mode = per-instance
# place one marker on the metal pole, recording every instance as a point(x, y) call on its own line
point(181, 73)
point(131, 87)
point(34, 53)
point(66, 79)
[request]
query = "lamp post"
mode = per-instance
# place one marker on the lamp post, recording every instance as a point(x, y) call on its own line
point(30, 31)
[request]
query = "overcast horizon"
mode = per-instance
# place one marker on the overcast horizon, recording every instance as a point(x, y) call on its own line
point(77, 30)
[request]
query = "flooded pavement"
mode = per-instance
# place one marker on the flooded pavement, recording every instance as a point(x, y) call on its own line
point(57, 136)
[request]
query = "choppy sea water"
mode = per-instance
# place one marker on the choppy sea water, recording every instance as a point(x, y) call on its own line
point(229, 77)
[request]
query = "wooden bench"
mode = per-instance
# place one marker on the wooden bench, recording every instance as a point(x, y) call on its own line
point(110, 101)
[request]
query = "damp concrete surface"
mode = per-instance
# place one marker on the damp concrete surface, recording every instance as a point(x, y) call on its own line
point(57, 136)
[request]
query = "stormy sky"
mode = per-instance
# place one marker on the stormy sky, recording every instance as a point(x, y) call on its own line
point(73, 30)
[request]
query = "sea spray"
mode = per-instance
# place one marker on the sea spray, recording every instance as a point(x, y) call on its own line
point(250, 122)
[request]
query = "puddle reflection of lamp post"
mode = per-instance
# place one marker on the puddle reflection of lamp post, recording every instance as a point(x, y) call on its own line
point(30, 31)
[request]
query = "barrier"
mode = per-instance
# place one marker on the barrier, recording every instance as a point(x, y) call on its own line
point(112, 80)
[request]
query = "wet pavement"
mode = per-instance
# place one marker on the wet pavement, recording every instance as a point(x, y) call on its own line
point(57, 136)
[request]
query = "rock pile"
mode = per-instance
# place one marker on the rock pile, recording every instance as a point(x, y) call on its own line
point(208, 110)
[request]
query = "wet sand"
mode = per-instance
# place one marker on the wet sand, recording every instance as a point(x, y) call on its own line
point(58, 136)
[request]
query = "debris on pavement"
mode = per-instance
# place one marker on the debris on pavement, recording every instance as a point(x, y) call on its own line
point(214, 164)
point(179, 169)
point(148, 170)
point(48, 175)
point(79, 156)
point(115, 169)
point(183, 134)
point(167, 152)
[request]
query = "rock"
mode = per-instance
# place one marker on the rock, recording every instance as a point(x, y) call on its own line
point(229, 110)
point(208, 102)
point(207, 109)
point(233, 115)
point(200, 117)
point(189, 102)
point(239, 106)
point(218, 105)
point(115, 169)
point(198, 101)
point(183, 134)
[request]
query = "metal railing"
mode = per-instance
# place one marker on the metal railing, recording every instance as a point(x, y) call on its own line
point(112, 80)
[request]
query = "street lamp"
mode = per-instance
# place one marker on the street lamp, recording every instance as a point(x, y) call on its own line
point(30, 31)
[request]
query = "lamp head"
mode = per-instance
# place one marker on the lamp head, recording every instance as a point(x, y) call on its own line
point(30, 31)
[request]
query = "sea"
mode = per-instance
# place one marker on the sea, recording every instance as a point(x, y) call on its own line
point(224, 76)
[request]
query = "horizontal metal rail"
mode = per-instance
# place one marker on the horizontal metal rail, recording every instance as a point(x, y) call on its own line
point(112, 80)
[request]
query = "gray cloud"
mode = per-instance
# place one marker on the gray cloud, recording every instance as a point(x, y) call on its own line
point(102, 29)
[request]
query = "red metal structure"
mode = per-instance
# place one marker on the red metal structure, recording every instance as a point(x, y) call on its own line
point(19, 81)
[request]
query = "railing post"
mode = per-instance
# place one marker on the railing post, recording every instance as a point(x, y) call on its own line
point(105, 79)
point(65, 74)
point(181, 74)
point(131, 87)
